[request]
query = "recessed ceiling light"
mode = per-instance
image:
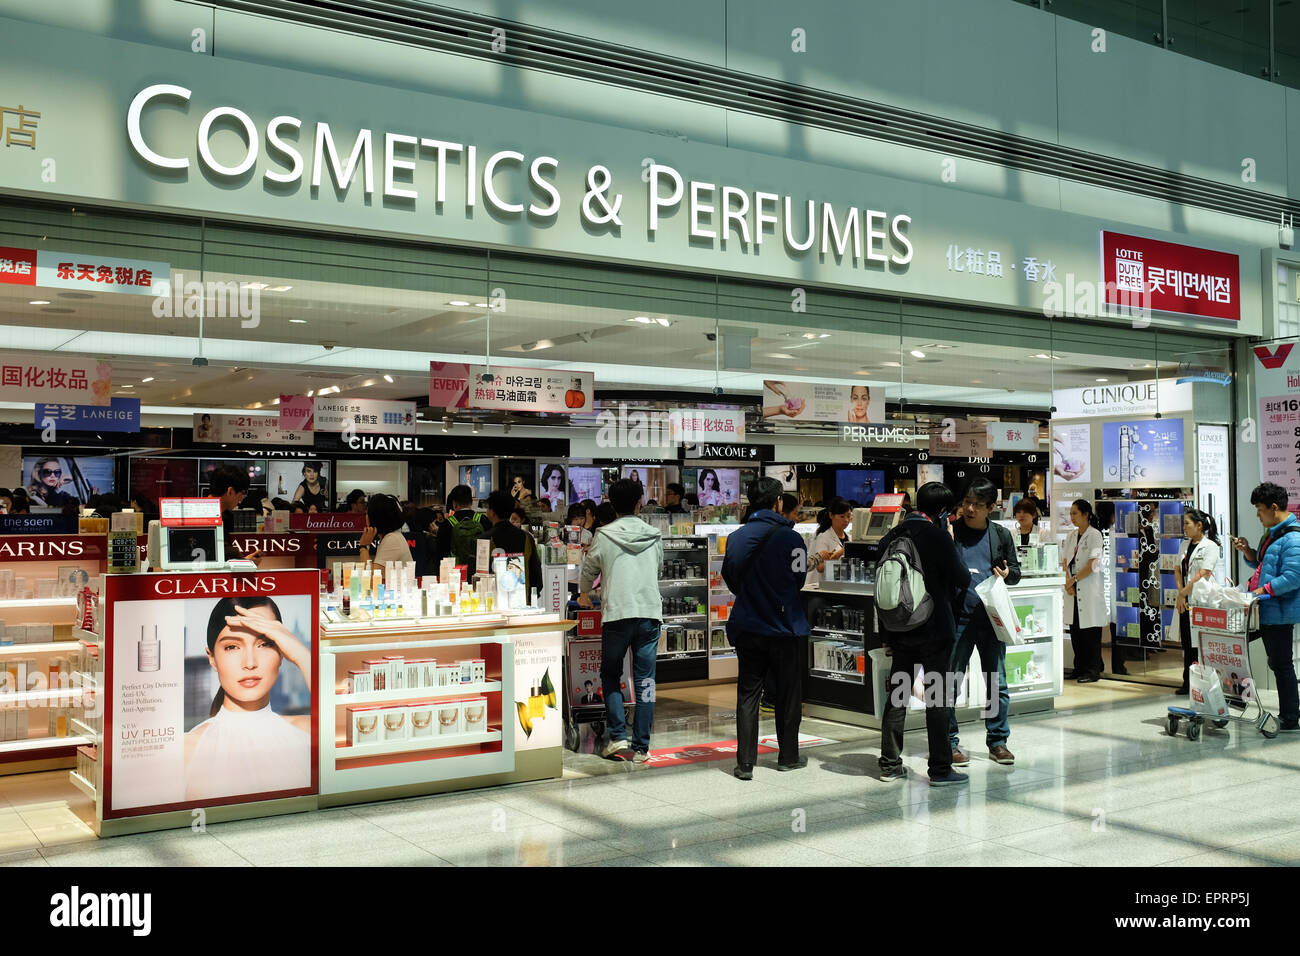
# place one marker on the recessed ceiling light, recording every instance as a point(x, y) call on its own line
point(388, 379)
point(824, 335)
point(1103, 380)
point(480, 305)
point(146, 381)
point(664, 322)
point(810, 335)
point(458, 302)
point(39, 302)
point(892, 364)
point(310, 392)
point(126, 386)
point(275, 401)
point(297, 321)
point(259, 286)
point(779, 355)
point(643, 319)
point(279, 288)
point(917, 353)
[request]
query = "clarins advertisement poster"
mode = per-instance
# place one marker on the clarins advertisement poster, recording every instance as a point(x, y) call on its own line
point(1142, 452)
point(212, 683)
point(539, 680)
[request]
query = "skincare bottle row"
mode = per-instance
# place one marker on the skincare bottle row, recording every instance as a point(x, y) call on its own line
point(425, 673)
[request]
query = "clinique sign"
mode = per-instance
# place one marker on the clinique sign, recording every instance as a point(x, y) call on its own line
point(715, 212)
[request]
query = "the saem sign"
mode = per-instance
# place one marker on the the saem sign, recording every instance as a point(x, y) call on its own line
point(1184, 280)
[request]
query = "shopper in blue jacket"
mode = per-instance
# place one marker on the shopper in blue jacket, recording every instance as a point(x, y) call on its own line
point(765, 567)
point(1277, 582)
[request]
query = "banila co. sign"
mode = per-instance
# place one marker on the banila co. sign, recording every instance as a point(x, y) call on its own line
point(453, 177)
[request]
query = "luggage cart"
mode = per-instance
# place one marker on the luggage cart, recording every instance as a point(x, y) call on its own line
point(1222, 639)
point(582, 653)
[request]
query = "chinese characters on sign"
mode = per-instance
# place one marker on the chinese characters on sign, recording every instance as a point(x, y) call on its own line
point(531, 389)
point(19, 125)
point(17, 266)
point(1184, 280)
point(365, 415)
point(1012, 436)
point(978, 262)
point(55, 378)
point(690, 426)
point(121, 415)
point(94, 273)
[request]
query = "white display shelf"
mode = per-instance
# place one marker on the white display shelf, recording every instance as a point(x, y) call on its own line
point(38, 602)
point(82, 784)
point(419, 693)
point(85, 729)
point(51, 647)
point(683, 582)
point(42, 743)
point(675, 618)
point(416, 746)
point(90, 637)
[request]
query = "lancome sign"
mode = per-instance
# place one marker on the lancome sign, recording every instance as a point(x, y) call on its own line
point(1123, 398)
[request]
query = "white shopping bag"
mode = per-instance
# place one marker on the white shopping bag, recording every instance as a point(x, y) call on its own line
point(1207, 691)
point(997, 601)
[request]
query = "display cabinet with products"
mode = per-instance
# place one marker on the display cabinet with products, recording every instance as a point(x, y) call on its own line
point(684, 637)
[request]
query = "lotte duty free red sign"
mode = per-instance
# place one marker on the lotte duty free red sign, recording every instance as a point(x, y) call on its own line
point(1185, 280)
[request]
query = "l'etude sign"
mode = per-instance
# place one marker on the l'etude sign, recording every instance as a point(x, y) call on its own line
point(714, 211)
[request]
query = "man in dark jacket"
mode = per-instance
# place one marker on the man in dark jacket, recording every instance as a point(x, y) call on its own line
point(765, 567)
point(986, 549)
point(930, 645)
point(507, 539)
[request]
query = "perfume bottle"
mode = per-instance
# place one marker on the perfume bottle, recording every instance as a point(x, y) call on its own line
point(148, 653)
point(536, 702)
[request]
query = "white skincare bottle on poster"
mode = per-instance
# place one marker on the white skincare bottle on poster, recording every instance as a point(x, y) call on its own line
point(148, 652)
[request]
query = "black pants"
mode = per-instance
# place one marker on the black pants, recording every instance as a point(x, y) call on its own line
point(1086, 642)
point(758, 656)
point(934, 654)
point(1191, 654)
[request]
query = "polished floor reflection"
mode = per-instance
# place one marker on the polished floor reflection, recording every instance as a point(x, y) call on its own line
point(1098, 783)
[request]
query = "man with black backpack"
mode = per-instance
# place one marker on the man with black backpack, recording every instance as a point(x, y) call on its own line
point(918, 579)
point(764, 567)
point(458, 535)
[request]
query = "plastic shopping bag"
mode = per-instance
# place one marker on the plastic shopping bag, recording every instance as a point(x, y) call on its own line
point(1207, 691)
point(997, 602)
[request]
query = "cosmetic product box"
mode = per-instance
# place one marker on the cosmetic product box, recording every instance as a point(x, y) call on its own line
point(466, 671)
point(16, 633)
point(422, 719)
point(474, 715)
point(448, 675)
point(396, 671)
point(40, 633)
point(449, 716)
point(378, 669)
point(426, 673)
point(479, 670)
point(359, 681)
point(394, 724)
point(364, 722)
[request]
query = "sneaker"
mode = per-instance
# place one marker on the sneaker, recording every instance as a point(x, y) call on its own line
point(1183, 691)
point(797, 765)
point(951, 778)
point(613, 748)
point(1290, 728)
point(743, 773)
point(1087, 679)
point(959, 759)
point(766, 707)
point(895, 773)
point(641, 756)
point(1000, 754)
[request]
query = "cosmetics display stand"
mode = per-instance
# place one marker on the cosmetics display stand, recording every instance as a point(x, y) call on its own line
point(40, 657)
point(684, 589)
point(846, 670)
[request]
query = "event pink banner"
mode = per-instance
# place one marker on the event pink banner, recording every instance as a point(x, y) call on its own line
point(448, 385)
point(296, 413)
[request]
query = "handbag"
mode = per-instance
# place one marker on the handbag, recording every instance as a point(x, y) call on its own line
point(1002, 614)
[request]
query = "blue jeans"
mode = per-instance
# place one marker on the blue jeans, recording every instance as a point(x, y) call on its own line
point(978, 633)
point(1277, 643)
point(641, 634)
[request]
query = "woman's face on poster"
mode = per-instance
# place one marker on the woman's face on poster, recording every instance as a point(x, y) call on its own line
point(247, 664)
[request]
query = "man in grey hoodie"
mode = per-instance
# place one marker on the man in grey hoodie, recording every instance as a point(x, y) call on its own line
point(628, 555)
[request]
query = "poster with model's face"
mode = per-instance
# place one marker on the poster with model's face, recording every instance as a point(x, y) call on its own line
point(1071, 453)
point(210, 678)
point(306, 481)
point(653, 478)
point(552, 485)
point(1142, 452)
point(715, 486)
point(478, 477)
point(585, 483)
point(785, 402)
point(52, 482)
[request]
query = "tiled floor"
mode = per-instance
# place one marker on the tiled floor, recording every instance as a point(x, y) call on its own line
point(1096, 783)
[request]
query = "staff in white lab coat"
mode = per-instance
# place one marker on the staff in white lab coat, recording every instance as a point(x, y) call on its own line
point(1197, 559)
point(1085, 602)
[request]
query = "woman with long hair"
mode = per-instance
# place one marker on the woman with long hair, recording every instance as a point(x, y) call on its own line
point(710, 488)
point(553, 491)
point(1197, 559)
point(244, 747)
point(48, 476)
point(1085, 606)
